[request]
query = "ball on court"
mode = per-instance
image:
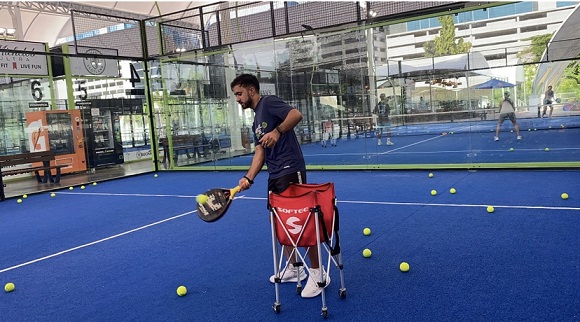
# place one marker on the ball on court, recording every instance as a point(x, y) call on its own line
point(155, 176)
point(564, 196)
point(433, 192)
point(546, 149)
point(24, 196)
point(511, 149)
point(452, 190)
point(94, 183)
point(181, 291)
point(19, 200)
point(490, 209)
point(201, 199)
point(70, 188)
point(53, 195)
point(367, 252)
point(367, 231)
point(404, 267)
point(9, 287)
point(430, 175)
point(82, 187)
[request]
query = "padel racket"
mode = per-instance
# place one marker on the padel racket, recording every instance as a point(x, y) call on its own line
point(218, 202)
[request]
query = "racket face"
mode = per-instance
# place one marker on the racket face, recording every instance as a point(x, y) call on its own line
point(218, 202)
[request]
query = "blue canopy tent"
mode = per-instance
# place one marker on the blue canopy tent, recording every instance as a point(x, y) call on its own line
point(493, 83)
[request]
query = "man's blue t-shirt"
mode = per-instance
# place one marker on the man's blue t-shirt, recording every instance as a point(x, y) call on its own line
point(286, 156)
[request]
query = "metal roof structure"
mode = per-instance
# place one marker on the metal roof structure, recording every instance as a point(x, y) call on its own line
point(44, 21)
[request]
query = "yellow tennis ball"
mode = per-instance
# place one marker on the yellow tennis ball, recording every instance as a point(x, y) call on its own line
point(547, 149)
point(430, 175)
point(490, 209)
point(201, 199)
point(70, 188)
point(19, 200)
point(452, 190)
point(9, 287)
point(511, 149)
point(433, 192)
point(181, 291)
point(404, 267)
point(94, 183)
point(53, 195)
point(24, 196)
point(367, 231)
point(564, 196)
point(82, 187)
point(155, 175)
point(367, 252)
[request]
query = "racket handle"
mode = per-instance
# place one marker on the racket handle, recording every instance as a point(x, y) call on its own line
point(234, 190)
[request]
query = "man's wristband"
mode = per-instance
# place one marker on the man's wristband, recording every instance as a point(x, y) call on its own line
point(249, 180)
point(278, 129)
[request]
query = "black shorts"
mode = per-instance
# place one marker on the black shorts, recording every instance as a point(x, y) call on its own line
point(280, 184)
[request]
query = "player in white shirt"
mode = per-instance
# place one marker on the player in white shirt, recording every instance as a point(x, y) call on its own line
point(507, 111)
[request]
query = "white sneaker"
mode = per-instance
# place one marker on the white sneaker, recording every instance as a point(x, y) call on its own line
point(495, 138)
point(519, 137)
point(379, 143)
point(390, 143)
point(312, 289)
point(290, 275)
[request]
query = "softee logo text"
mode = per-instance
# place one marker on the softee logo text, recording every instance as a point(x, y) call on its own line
point(293, 211)
point(294, 224)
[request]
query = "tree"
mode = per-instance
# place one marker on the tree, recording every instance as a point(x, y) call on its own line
point(445, 43)
point(536, 49)
point(531, 54)
point(570, 81)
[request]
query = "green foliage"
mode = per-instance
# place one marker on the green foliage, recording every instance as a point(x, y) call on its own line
point(570, 82)
point(533, 53)
point(445, 44)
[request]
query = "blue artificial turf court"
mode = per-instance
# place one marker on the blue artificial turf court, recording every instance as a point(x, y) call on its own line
point(118, 251)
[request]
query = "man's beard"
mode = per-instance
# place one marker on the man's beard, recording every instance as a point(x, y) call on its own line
point(247, 104)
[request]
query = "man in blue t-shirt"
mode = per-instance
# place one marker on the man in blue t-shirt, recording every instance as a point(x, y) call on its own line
point(278, 147)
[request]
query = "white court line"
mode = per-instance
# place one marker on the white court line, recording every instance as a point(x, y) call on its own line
point(122, 194)
point(423, 141)
point(458, 205)
point(439, 204)
point(262, 198)
point(408, 145)
point(94, 242)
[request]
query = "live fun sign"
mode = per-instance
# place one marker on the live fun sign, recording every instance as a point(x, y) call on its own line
point(29, 61)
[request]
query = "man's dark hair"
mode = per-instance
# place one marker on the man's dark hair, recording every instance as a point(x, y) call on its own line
point(246, 80)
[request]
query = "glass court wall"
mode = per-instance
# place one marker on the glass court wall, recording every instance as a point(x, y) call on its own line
point(162, 100)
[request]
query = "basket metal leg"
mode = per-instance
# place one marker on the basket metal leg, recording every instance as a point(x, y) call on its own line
point(276, 305)
point(322, 280)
